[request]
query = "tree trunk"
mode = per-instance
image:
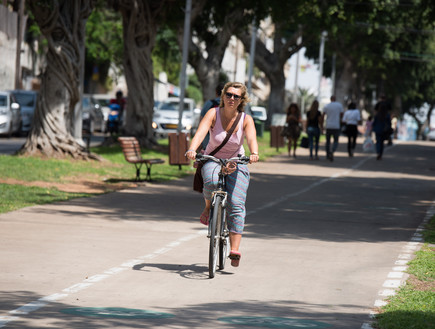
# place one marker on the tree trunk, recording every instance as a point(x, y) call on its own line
point(207, 67)
point(63, 24)
point(344, 82)
point(277, 93)
point(272, 64)
point(140, 21)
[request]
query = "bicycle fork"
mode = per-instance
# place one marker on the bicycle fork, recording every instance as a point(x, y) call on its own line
point(222, 229)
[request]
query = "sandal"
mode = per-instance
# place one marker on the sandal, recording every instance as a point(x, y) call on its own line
point(235, 258)
point(204, 218)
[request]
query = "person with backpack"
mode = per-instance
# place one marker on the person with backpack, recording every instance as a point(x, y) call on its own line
point(211, 103)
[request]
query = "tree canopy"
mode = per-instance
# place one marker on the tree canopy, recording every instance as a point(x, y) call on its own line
point(381, 46)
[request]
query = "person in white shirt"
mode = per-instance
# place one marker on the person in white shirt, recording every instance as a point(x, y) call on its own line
point(333, 113)
point(351, 118)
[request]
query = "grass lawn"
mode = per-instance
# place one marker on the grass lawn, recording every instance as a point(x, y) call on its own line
point(413, 307)
point(27, 181)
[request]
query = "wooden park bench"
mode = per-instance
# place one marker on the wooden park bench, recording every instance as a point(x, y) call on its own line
point(131, 149)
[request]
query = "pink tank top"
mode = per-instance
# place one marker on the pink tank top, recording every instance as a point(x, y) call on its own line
point(233, 146)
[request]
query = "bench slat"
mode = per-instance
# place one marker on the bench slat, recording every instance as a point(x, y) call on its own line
point(132, 154)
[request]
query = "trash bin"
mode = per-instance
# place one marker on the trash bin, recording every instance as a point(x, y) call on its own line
point(259, 127)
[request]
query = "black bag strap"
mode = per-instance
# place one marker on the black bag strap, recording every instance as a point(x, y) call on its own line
point(229, 133)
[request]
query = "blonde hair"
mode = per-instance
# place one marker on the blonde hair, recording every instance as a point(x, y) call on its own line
point(244, 96)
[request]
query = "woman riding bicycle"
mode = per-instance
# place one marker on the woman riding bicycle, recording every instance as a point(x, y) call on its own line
point(234, 97)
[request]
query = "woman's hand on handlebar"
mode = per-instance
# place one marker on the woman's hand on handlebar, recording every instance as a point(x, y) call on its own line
point(191, 154)
point(253, 158)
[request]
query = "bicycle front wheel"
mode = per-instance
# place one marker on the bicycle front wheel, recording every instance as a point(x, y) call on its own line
point(224, 246)
point(214, 237)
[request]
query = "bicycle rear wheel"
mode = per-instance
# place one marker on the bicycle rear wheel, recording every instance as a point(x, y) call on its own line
point(214, 238)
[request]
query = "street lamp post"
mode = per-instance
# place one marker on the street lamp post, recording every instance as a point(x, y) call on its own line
point(295, 89)
point(321, 55)
point(184, 61)
point(251, 56)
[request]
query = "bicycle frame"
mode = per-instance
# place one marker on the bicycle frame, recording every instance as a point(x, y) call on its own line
point(217, 229)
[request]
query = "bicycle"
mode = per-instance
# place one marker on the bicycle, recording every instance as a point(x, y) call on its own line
point(217, 227)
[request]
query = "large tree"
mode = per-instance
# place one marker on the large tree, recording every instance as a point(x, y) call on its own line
point(381, 48)
point(62, 23)
point(290, 20)
point(212, 28)
point(141, 19)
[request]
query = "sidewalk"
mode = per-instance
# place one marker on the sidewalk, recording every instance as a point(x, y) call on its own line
point(320, 240)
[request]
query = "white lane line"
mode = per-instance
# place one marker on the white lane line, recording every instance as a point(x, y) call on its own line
point(387, 292)
point(88, 282)
point(395, 275)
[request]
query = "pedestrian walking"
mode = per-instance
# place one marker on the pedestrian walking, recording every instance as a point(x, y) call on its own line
point(382, 128)
point(314, 127)
point(351, 118)
point(293, 127)
point(369, 127)
point(333, 113)
point(384, 103)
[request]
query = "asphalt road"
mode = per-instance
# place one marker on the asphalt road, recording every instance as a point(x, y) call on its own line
point(324, 243)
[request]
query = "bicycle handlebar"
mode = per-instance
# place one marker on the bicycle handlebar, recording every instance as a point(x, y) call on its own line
point(239, 159)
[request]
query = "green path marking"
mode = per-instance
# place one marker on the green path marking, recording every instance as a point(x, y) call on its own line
point(274, 322)
point(116, 312)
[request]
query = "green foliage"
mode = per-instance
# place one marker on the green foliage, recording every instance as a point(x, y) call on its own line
point(104, 39)
point(104, 42)
point(409, 309)
point(389, 43)
point(194, 89)
point(167, 55)
point(429, 232)
point(423, 266)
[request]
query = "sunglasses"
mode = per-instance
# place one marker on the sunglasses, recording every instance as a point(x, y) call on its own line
point(236, 97)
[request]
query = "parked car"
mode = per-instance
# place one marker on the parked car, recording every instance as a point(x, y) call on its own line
point(165, 119)
point(102, 101)
point(10, 114)
point(431, 135)
point(92, 116)
point(27, 100)
point(259, 113)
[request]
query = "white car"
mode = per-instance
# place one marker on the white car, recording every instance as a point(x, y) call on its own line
point(431, 135)
point(166, 113)
point(27, 100)
point(259, 113)
point(10, 114)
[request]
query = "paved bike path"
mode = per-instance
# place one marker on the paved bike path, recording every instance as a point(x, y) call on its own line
point(321, 239)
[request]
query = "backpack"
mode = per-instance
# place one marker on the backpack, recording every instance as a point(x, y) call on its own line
point(214, 103)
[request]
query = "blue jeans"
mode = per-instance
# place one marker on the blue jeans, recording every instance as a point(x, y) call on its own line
point(334, 133)
point(313, 136)
point(380, 137)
